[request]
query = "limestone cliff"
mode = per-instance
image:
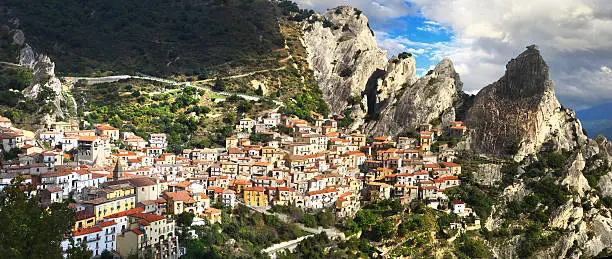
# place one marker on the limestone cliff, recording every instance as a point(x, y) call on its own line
point(517, 114)
point(44, 82)
point(431, 98)
point(343, 53)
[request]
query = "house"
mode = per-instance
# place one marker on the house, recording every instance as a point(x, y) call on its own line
point(148, 234)
point(92, 150)
point(5, 122)
point(458, 207)
point(457, 129)
point(246, 125)
point(212, 215)
point(146, 187)
point(84, 219)
point(228, 198)
point(109, 200)
point(52, 138)
point(181, 201)
point(455, 169)
point(98, 238)
point(320, 199)
point(358, 139)
point(106, 130)
point(159, 140)
point(347, 204)
point(255, 196)
point(12, 140)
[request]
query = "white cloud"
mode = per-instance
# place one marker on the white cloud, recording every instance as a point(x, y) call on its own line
point(575, 37)
point(432, 27)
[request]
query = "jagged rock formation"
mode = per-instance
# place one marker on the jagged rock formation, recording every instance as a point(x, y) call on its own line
point(400, 72)
point(44, 79)
point(343, 53)
point(517, 114)
point(431, 98)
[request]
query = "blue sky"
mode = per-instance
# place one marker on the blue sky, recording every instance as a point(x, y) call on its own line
point(480, 37)
point(418, 32)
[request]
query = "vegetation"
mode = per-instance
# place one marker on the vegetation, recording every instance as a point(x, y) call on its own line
point(470, 246)
point(478, 199)
point(596, 167)
point(12, 81)
point(242, 235)
point(30, 230)
point(187, 37)
point(404, 55)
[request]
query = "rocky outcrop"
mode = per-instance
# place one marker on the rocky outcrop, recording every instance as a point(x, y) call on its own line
point(400, 73)
point(44, 81)
point(431, 98)
point(517, 114)
point(488, 174)
point(343, 53)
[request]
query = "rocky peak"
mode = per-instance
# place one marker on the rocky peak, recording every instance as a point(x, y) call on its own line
point(343, 53)
point(431, 98)
point(517, 114)
point(526, 77)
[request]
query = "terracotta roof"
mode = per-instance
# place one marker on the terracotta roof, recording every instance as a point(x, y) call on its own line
point(86, 231)
point(255, 188)
point(88, 138)
point(212, 211)
point(137, 231)
point(125, 213)
point(450, 164)
point(285, 189)
point(180, 196)
point(107, 223)
point(327, 190)
point(149, 217)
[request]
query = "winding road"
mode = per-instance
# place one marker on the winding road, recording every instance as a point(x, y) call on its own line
point(290, 245)
point(110, 79)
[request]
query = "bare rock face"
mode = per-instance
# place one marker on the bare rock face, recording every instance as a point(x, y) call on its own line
point(43, 79)
point(517, 114)
point(430, 98)
point(400, 72)
point(27, 57)
point(343, 53)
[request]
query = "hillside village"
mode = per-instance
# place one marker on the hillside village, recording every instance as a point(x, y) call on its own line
point(127, 191)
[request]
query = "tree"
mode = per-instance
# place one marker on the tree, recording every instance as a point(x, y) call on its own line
point(106, 255)
point(185, 219)
point(219, 85)
point(259, 91)
point(30, 231)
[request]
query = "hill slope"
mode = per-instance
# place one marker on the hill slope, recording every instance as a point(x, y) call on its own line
point(153, 37)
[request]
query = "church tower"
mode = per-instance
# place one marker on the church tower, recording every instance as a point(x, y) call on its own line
point(118, 171)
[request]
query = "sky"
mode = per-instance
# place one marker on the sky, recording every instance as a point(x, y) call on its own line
point(480, 37)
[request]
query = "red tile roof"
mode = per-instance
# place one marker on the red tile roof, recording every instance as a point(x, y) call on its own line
point(86, 231)
point(107, 223)
point(125, 213)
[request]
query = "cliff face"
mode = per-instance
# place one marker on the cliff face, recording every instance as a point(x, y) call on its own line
point(343, 53)
point(44, 82)
point(517, 114)
point(431, 98)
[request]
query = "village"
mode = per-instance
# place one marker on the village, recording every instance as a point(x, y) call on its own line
point(127, 190)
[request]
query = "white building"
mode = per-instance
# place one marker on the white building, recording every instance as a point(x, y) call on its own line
point(98, 238)
point(229, 198)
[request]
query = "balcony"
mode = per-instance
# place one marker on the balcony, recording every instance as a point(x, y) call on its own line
point(96, 239)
